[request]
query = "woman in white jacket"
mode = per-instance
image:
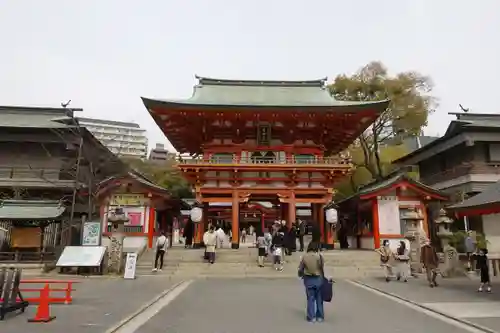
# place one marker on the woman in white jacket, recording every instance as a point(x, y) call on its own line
point(210, 240)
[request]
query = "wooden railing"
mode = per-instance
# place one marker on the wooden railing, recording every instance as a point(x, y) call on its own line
point(27, 257)
point(326, 161)
point(49, 174)
point(463, 169)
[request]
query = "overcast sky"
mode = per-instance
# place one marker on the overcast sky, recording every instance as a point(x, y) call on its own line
point(105, 54)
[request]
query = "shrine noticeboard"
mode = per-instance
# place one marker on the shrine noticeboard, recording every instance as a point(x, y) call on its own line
point(91, 235)
point(25, 237)
point(388, 216)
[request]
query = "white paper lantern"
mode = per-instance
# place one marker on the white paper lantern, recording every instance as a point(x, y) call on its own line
point(196, 214)
point(331, 215)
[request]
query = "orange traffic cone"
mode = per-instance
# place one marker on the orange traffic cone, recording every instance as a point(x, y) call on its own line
point(43, 310)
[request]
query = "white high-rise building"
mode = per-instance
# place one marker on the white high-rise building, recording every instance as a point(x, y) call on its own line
point(122, 138)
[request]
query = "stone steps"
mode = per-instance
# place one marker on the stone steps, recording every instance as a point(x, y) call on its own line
point(242, 263)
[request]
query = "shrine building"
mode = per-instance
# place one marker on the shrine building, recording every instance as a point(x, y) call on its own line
point(278, 142)
point(377, 212)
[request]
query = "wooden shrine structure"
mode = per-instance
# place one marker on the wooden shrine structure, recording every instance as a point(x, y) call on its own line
point(377, 211)
point(253, 141)
point(149, 207)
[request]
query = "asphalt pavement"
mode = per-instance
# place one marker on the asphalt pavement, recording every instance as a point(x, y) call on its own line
point(271, 305)
point(247, 305)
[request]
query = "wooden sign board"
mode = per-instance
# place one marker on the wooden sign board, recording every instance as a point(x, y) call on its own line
point(24, 237)
point(129, 200)
point(81, 256)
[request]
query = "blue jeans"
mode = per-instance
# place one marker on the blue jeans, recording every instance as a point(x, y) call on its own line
point(314, 300)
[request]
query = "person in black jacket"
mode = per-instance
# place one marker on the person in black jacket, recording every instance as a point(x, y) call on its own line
point(316, 234)
point(301, 231)
point(278, 243)
point(482, 265)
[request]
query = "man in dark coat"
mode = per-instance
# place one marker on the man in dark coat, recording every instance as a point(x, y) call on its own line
point(188, 233)
point(301, 230)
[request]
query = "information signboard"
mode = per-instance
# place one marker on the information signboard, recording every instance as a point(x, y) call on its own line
point(81, 256)
point(91, 233)
point(130, 266)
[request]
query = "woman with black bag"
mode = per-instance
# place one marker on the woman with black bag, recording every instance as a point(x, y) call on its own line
point(311, 270)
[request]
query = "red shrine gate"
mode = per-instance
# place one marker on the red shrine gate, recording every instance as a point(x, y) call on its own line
point(276, 141)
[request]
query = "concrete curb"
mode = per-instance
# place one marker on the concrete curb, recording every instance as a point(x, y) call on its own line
point(143, 308)
point(404, 299)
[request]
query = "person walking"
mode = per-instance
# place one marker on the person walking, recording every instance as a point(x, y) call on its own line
point(402, 260)
point(430, 260)
point(312, 271)
point(262, 247)
point(386, 259)
point(470, 249)
point(277, 250)
point(243, 235)
point(161, 248)
point(482, 264)
point(210, 241)
point(268, 237)
point(301, 230)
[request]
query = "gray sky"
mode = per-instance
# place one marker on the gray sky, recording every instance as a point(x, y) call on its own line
point(105, 54)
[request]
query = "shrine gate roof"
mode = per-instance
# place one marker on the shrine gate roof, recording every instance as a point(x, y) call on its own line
point(252, 93)
point(382, 187)
point(31, 209)
point(486, 202)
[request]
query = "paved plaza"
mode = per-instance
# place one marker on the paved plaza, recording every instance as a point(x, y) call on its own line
point(457, 297)
point(98, 304)
point(249, 305)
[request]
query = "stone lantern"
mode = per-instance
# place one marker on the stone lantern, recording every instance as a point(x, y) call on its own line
point(416, 236)
point(443, 224)
point(449, 258)
point(118, 218)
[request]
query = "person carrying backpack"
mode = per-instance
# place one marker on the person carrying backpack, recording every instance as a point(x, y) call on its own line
point(161, 248)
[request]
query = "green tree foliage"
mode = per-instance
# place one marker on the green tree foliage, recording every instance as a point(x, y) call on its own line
point(164, 174)
point(361, 174)
point(411, 104)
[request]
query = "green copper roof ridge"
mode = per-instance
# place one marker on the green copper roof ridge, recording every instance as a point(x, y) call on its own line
point(336, 104)
point(261, 83)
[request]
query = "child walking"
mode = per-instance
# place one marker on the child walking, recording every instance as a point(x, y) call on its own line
point(262, 246)
point(482, 264)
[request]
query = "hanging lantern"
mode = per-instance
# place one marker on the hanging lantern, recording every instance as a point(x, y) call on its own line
point(331, 215)
point(196, 214)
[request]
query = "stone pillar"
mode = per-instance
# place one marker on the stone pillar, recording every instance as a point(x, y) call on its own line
point(235, 221)
point(115, 252)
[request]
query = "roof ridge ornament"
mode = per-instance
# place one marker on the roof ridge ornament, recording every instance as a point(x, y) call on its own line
point(208, 81)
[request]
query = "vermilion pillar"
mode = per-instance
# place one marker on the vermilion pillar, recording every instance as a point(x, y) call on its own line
point(329, 233)
point(321, 222)
point(292, 210)
point(235, 221)
point(376, 224)
point(151, 226)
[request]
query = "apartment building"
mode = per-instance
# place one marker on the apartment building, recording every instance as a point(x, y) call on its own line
point(122, 138)
point(159, 153)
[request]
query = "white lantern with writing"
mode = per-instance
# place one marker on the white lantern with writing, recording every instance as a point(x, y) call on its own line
point(331, 215)
point(196, 214)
